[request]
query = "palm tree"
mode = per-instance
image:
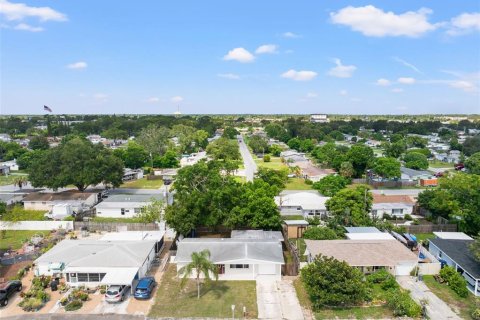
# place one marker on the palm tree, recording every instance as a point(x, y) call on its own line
point(296, 170)
point(200, 264)
point(20, 181)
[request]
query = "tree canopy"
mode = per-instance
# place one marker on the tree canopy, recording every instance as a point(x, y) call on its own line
point(416, 160)
point(224, 149)
point(473, 163)
point(330, 185)
point(351, 206)
point(387, 168)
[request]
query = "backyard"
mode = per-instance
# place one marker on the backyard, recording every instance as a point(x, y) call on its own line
point(215, 301)
point(7, 180)
point(439, 164)
point(297, 184)
point(15, 238)
point(143, 184)
point(461, 306)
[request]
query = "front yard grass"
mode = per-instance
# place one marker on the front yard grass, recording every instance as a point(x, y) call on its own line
point(111, 219)
point(297, 184)
point(461, 306)
point(215, 301)
point(360, 312)
point(439, 164)
point(275, 163)
point(15, 238)
point(142, 184)
point(424, 236)
point(8, 180)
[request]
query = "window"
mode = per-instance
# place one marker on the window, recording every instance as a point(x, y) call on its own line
point(93, 277)
point(239, 266)
point(82, 277)
point(397, 211)
point(299, 208)
point(137, 210)
point(122, 211)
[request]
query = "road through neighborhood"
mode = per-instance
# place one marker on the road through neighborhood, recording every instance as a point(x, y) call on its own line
point(249, 163)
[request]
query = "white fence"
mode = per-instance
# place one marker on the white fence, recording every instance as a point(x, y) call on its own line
point(431, 265)
point(36, 225)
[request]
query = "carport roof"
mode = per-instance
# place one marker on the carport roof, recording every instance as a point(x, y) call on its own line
point(120, 276)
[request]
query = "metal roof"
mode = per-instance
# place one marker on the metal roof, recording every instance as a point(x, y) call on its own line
point(306, 200)
point(231, 250)
point(133, 198)
point(257, 234)
point(362, 230)
point(452, 235)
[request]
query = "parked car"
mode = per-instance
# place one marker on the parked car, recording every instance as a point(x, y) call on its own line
point(459, 166)
point(8, 289)
point(144, 288)
point(116, 293)
point(439, 174)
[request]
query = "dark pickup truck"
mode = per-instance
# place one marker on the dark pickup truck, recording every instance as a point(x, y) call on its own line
point(8, 289)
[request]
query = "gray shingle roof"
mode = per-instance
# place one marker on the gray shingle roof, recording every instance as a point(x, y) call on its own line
point(232, 250)
point(458, 251)
point(257, 234)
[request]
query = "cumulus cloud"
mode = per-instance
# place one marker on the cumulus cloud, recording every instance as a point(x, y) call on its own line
point(77, 65)
point(464, 23)
point(290, 35)
point(27, 27)
point(406, 80)
point(383, 82)
point(267, 48)
point(239, 54)
point(374, 22)
point(340, 70)
point(230, 76)
point(20, 11)
point(299, 75)
point(176, 99)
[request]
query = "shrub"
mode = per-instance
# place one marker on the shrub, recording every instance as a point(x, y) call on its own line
point(308, 182)
point(379, 276)
point(31, 304)
point(74, 305)
point(320, 233)
point(408, 217)
point(386, 216)
point(476, 314)
point(64, 301)
point(390, 283)
point(79, 295)
point(41, 282)
point(402, 304)
point(459, 285)
point(267, 158)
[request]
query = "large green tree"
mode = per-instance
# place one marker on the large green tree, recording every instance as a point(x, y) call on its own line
point(77, 162)
point(330, 185)
point(258, 144)
point(133, 156)
point(471, 145)
point(387, 168)
point(224, 149)
point(473, 163)
point(38, 143)
point(350, 206)
point(330, 282)
point(155, 140)
point(361, 157)
point(416, 160)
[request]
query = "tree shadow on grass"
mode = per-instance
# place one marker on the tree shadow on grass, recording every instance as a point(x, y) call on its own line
point(216, 288)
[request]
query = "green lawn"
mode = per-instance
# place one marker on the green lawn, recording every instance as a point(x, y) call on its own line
point(108, 219)
point(7, 180)
point(462, 306)
point(367, 312)
point(439, 164)
point(424, 236)
point(143, 184)
point(275, 163)
point(297, 184)
point(15, 238)
point(21, 214)
point(215, 301)
point(296, 217)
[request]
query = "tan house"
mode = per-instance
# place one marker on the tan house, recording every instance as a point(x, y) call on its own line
point(393, 205)
point(46, 200)
point(295, 228)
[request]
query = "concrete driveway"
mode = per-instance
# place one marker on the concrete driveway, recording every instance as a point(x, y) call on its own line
point(277, 300)
point(249, 163)
point(436, 308)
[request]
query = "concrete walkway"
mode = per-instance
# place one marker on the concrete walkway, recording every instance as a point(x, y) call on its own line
point(277, 300)
point(436, 308)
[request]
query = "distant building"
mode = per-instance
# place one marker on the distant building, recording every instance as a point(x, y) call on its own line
point(319, 118)
point(5, 137)
point(393, 205)
point(306, 204)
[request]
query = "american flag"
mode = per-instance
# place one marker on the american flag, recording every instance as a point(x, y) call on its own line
point(45, 108)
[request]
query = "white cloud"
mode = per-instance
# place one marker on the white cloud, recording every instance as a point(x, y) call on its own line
point(464, 85)
point(464, 23)
point(239, 54)
point(383, 82)
point(230, 76)
point(20, 11)
point(312, 95)
point(375, 22)
point(100, 97)
point(153, 100)
point(467, 82)
point(397, 90)
point(406, 80)
point(77, 65)
point(407, 64)
point(267, 48)
point(343, 92)
point(341, 71)
point(176, 99)
point(27, 27)
point(299, 75)
point(291, 35)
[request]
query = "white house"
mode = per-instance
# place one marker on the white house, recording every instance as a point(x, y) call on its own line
point(12, 164)
point(318, 118)
point(46, 200)
point(125, 205)
point(236, 259)
point(307, 204)
point(411, 174)
point(393, 205)
point(367, 255)
point(92, 263)
point(456, 253)
point(132, 174)
point(10, 198)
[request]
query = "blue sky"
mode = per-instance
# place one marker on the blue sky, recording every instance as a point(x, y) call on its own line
point(359, 57)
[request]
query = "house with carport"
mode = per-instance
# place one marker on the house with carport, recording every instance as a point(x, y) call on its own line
point(308, 204)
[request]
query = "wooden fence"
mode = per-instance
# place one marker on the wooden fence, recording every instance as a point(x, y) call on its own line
point(290, 268)
point(429, 228)
point(115, 226)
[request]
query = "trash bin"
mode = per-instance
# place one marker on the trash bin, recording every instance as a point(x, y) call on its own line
point(54, 285)
point(420, 277)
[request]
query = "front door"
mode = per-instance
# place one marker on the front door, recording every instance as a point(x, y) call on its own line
point(221, 269)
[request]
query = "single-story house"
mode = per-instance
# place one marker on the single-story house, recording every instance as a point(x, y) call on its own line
point(132, 174)
point(295, 228)
point(393, 205)
point(311, 172)
point(452, 235)
point(368, 255)
point(150, 235)
point(125, 205)
point(293, 156)
point(46, 200)
point(4, 170)
point(369, 236)
point(92, 263)
point(12, 164)
point(11, 198)
point(411, 174)
point(307, 204)
point(236, 259)
point(257, 235)
point(456, 253)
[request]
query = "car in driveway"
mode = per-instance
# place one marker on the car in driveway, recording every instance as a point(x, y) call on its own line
point(116, 293)
point(8, 289)
point(144, 288)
